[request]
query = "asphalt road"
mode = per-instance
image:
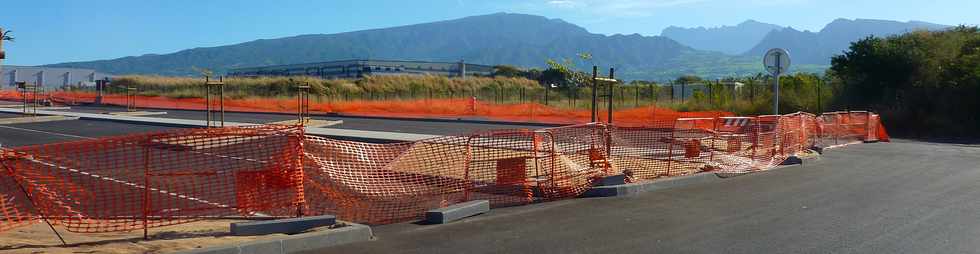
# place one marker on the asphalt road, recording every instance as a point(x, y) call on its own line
point(902, 197)
point(14, 135)
point(434, 127)
point(9, 115)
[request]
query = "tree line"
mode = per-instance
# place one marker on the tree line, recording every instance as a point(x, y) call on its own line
point(923, 83)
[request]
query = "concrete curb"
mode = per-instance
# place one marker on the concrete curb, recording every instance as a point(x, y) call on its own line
point(295, 243)
point(137, 113)
point(283, 226)
point(648, 186)
point(457, 212)
point(21, 107)
point(35, 119)
point(326, 114)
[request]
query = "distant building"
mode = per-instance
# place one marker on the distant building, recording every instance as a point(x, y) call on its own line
point(50, 77)
point(361, 68)
point(686, 91)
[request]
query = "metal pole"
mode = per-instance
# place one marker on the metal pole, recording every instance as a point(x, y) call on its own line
point(31, 199)
point(34, 106)
point(595, 84)
point(546, 88)
point(653, 95)
point(683, 89)
point(819, 106)
point(207, 100)
point(299, 105)
point(610, 103)
point(146, 190)
point(775, 103)
point(221, 99)
point(671, 91)
point(636, 99)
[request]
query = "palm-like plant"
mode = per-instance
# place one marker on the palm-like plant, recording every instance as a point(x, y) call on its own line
point(6, 35)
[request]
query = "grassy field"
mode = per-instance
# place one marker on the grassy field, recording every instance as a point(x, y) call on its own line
point(748, 100)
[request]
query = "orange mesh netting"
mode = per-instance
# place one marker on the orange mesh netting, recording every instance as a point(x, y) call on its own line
point(165, 178)
point(156, 179)
point(533, 112)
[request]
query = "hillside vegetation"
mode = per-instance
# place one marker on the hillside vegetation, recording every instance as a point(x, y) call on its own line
point(798, 91)
point(923, 83)
point(368, 88)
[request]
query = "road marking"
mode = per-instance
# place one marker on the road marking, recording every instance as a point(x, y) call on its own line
point(46, 132)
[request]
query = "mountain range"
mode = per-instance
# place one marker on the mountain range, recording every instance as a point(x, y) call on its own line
point(527, 41)
point(807, 47)
point(732, 40)
point(753, 38)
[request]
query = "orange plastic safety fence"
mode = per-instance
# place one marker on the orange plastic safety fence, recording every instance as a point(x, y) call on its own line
point(533, 112)
point(379, 183)
point(156, 179)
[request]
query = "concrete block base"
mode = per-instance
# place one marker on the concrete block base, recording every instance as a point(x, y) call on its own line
point(457, 212)
point(817, 149)
point(641, 187)
point(285, 226)
point(611, 180)
point(792, 160)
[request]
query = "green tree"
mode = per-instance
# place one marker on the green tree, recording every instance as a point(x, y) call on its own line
point(924, 83)
point(509, 71)
point(688, 79)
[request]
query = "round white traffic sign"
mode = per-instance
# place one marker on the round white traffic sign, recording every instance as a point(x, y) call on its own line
point(776, 61)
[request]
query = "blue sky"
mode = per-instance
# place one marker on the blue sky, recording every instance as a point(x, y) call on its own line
point(74, 30)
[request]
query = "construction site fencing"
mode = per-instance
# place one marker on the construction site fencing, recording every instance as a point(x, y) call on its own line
point(165, 178)
point(420, 108)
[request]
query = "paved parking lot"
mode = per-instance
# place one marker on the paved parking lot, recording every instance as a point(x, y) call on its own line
point(13, 135)
point(903, 197)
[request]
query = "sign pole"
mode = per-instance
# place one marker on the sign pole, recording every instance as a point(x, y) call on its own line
point(775, 103)
point(777, 62)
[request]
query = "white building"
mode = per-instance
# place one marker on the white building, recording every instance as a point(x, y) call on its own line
point(50, 77)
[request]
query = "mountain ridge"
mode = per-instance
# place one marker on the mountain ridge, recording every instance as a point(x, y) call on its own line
point(809, 47)
point(500, 38)
point(735, 39)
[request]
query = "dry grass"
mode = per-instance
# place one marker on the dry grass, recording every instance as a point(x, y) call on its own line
point(380, 87)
